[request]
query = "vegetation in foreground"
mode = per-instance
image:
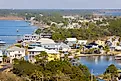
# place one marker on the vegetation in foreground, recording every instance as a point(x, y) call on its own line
point(111, 73)
point(57, 70)
point(52, 71)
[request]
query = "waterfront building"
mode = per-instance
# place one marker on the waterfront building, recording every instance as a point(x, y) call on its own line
point(64, 47)
point(46, 35)
point(33, 45)
point(71, 41)
point(52, 54)
point(30, 37)
point(33, 52)
point(15, 52)
point(48, 44)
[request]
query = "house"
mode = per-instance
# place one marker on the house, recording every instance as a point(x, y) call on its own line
point(1, 56)
point(30, 38)
point(48, 44)
point(15, 52)
point(64, 47)
point(118, 48)
point(46, 35)
point(71, 41)
point(93, 45)
point(33, 45)
point(52, 54)
point(113, 43)
point(33, 52)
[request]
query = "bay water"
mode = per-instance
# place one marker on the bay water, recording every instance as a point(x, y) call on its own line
point(13, 30)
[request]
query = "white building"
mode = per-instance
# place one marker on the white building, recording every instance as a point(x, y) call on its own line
point(71, 41)
point(48, 44)
point(118, 48)
point(15, 52)
point(64, 47)
point(30, 38)
point(38, 50)
point(69, 17)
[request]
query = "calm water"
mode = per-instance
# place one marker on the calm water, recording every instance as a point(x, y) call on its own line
point(98, 64)
point(113, 14)
point(8, 30)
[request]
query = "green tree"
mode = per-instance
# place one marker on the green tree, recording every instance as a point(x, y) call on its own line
point(107, 49)
point(4, 58)
point(112, 70)
point(38, 31)
point(41, 58)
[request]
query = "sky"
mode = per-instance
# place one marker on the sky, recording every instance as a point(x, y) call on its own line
point(60, 4)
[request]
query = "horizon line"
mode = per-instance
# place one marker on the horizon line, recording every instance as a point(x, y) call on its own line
point(60, 9)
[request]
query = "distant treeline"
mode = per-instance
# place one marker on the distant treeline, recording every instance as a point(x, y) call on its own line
point(22, 12)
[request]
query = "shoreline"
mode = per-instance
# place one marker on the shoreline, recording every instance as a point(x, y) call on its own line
point(11, 18)
point(86, 55)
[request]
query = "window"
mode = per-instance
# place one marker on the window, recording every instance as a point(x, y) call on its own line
point(32, 52)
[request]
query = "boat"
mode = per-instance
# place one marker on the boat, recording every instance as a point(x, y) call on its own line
point(2, 42)
point(118, 57)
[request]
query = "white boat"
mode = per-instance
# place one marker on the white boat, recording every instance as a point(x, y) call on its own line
point(2, 42)
point(118, 57)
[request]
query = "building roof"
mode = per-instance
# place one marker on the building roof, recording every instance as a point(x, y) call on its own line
point(71, 39)
point(46, 41)
point(63, 45)
point(37, 49)
point(30, 35)
point(14, 48)
point(52, 52)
